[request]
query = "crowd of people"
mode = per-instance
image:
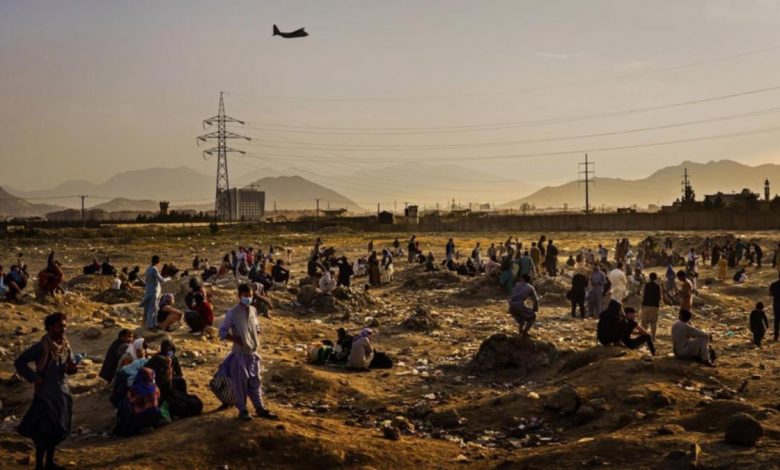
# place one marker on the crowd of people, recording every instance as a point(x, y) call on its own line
point(148, 389)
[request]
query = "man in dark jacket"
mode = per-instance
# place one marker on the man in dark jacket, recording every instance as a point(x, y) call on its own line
point(651, 303)
point(577, 294)
point(110, 362)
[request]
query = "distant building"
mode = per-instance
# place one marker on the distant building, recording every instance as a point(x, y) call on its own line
point(333, 213)
point(386, 218)
point(245, 204)
point(164, 205)
point(411, 215)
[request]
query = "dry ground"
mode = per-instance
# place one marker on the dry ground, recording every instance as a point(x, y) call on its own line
point(332, 418)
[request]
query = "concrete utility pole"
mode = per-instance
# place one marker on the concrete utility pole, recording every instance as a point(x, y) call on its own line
point(83, 213)
point(587, 172)
point(318, 208)
point(222, 206)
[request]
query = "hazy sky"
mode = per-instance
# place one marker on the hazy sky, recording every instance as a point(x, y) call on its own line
point(92, 88)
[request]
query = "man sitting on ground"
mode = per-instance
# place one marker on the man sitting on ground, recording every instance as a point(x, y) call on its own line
point(691, 343)
point(280, 274)
point(200, 315)
point(167, 314)
point(15, 281)
point(111, 360)
point(629, 326)
point(107, 269)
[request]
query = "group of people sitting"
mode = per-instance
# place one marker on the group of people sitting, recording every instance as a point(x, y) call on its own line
point(148, 390)
point(354, 352)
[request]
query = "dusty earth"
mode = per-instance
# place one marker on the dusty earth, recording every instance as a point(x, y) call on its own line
point(608, 407)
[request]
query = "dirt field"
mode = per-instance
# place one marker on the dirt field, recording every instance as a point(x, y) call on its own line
point(633, 410)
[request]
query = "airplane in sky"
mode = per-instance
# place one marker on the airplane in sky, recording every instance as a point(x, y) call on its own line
point(298, 33)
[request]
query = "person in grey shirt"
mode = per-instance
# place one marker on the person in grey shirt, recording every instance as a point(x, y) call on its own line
point(243, 363)
point(524, 315)
point(690, 342)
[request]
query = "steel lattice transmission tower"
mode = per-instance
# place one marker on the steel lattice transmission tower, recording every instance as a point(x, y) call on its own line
point(222, 198)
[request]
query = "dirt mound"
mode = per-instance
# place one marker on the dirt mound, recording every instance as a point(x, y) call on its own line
point(580, 359)
point(89, 285)
point(483, 287)
point(433, 280)
point(420, 320)
point(552, 285)
point(342, 299)
point(354, 298)
point(112, 296)
point(523, 353)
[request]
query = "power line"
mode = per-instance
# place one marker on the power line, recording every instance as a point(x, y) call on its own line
point(515, 124)
point(514, 90)
point(765, 130)
point(355, 148)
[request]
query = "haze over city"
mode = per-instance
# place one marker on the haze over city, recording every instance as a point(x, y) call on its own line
point(91, 89)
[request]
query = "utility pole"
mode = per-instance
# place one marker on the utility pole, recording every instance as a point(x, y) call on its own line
point(274, 207)
point(587, 172)
point(318, 209)
point(83, 213)
point(222, 203)
point(377, 208)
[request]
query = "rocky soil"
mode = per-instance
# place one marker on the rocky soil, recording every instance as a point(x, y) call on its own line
point(465, 391)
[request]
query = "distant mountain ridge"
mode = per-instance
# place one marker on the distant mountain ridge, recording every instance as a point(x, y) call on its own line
point(662, 187)
point(12, 206)
point(177, 185)
point(296, 192)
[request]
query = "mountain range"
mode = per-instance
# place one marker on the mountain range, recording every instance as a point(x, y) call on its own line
point(662, 187)
point(12, 206)
point(141, 190)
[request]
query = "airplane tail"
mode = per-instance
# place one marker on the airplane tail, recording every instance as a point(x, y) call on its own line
point(276, 31)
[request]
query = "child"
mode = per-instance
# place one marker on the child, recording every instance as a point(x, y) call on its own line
point(758, 323)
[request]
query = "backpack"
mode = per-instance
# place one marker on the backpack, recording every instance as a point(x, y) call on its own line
point(381, 361)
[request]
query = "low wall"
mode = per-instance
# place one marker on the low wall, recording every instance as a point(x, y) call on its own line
point(566, 223)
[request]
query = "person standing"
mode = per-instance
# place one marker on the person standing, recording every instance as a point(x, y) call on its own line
point(597, 282)
point(619, 283)
point(536, 257)
point(449, 250)
point(153, 282)
point(241, 327)
point(579, 283)
point(758, 324)
point(686, 291)
point(48, 420)
point(722, 269)
point(651, 303)
point(774, 292)
point(551, 259)
point(759, 253)
point(476, 255)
